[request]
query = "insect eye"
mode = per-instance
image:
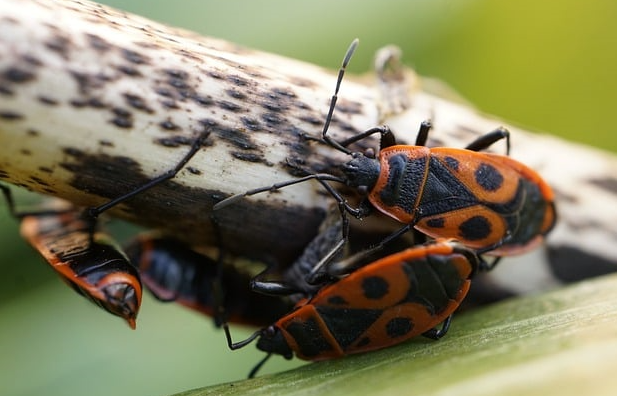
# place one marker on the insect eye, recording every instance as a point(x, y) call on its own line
point(269, 331)
point(369, 153)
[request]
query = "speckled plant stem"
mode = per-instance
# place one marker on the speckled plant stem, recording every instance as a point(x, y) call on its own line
point(93, 102)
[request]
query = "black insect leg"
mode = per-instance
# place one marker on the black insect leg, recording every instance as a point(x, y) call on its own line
point(96, 211)
point(387, 137)
point(486, 266)
point(481, 143)
point(425, 128)
point(435, 333)
point(92, 213)
point(8, 197)
point(259, 365)
point(485, 141)
point(355, 261)
point(270, 287)
point(311, 269)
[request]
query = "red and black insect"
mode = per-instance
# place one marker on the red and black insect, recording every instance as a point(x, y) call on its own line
point(488, 202)
point(92, 264)
point(381, 304)
point(88, 260)
point(173, 271)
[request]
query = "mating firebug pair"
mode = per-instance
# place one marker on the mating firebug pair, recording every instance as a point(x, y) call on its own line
point(479, 202)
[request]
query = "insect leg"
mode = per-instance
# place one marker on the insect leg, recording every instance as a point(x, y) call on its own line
point(8, 197)
point(387, 137)
point(96, 211)
point(435, 333)
point(485, 141)
point(422, 137)
point(259, 365)
point(357, 260)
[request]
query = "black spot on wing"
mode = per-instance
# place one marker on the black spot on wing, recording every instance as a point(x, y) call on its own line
point(375, 287)
point(437, 222)
point(452, 162)
point(488, 177)
point(475, 228)
point(398, 327)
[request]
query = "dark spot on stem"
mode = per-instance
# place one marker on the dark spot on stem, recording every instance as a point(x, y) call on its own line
point(97, 42)
point(134, 57)
point(169, 125)
point(237, 80)
point(17, 75)
point(9, 115)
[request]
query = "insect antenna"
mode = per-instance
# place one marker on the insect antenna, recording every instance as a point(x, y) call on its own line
point(234, 198)
point(240, 344)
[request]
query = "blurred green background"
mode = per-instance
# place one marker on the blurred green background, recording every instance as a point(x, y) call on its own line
point(547, 66)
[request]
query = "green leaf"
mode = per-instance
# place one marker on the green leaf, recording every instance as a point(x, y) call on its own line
point(563, 342)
